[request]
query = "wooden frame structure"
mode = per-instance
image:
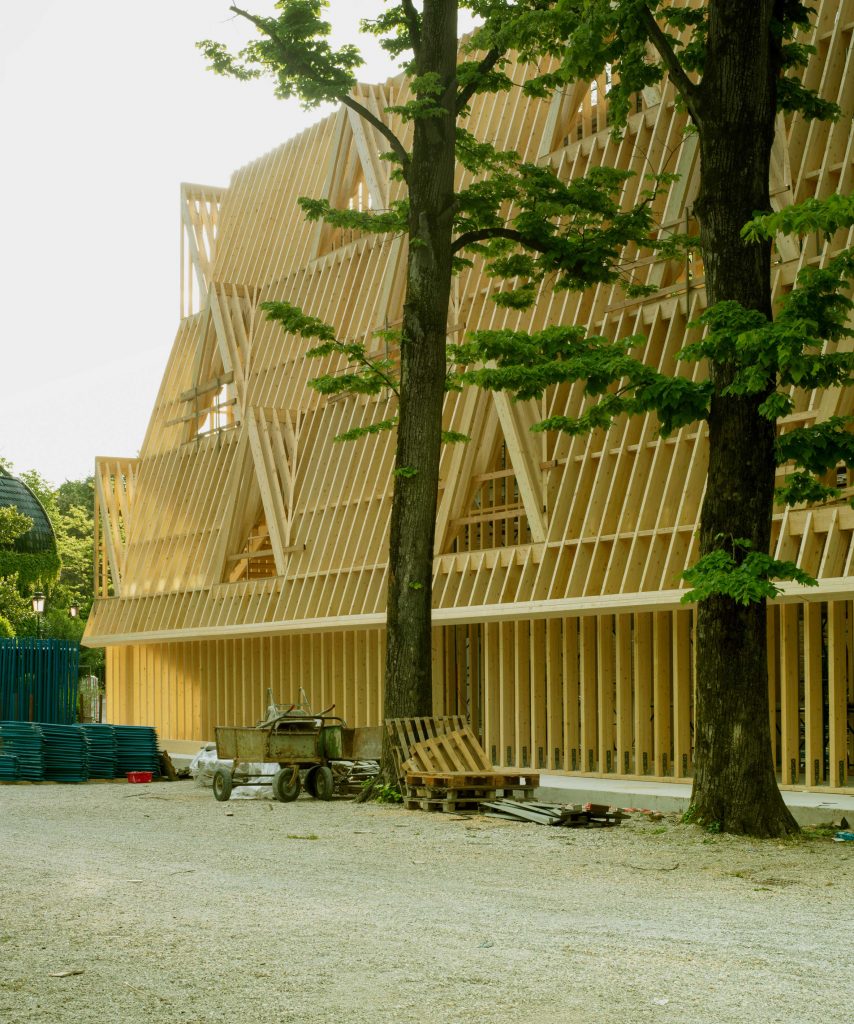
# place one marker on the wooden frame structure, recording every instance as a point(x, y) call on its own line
point(244, 548)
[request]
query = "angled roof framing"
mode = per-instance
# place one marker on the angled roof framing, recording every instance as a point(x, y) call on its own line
point(529, 525)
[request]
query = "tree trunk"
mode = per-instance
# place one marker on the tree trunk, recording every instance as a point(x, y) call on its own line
point(408, 679)
point(735, 786)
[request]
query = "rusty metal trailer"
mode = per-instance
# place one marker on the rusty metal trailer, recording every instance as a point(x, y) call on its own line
point(294, 741)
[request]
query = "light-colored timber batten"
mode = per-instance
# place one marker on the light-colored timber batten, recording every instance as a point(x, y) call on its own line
point(245, 548)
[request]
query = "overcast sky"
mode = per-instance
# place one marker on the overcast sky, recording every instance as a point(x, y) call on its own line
point(105, 107)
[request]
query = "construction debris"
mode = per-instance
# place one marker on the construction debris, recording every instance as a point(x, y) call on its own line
point(569, 816)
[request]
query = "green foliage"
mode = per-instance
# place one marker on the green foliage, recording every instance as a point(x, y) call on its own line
point(294, 51)
point(820, 447)
point(13, 524)
point(35, 570)
point(428, 91)
point(584, 37)
point(526, 364)
point(16, 611)
point(295, 321)
point(569, 232)
point(65, 576)
point(393, 220)
point(822, 215)
point(405, 472)
point(760, 356)
point(737, 571)
point(384, 792)
point(373, 428)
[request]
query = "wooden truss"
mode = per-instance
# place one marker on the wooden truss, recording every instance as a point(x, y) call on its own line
point(246, 548)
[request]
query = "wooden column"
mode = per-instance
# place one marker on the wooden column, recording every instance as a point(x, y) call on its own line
point(571, 695)
point(682, 682)
point(813, 695)
point(554, 696)
point(662, 690)
point(589, 739)
point(643, 694)
point(606, 677)
point(789, 704)
point(837, 691)
point(623, 694)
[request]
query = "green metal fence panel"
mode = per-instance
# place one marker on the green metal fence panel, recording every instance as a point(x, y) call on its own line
point(38, 680)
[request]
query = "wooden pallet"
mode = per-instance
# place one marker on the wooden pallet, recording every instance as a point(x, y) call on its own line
point(496, 783)
point(439, 798)
point(442, 766)
point(405, 733)
point(454, 752)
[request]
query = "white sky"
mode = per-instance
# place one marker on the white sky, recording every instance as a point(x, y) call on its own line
point(105, 107)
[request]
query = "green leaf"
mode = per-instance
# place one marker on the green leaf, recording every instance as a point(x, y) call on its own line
point(738, 572)
point(373, 428)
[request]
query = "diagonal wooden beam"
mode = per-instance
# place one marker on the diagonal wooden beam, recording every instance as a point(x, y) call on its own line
point(516, 419)
point(458, 480)
point(264, 471)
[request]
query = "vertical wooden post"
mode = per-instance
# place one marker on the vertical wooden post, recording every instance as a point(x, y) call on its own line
point(555, 746)
point(539, 706)
point(507, 752)
point(571, 695)
point(813, 695)
point(773, 660)
point(789, 723)
point(474, 675)
point(643, 693)
point(589, 739)
point(491, 691)
point(682, 759)
point(662, 690)
point(623, 668)
point(606, 674)
point(522, 693)
point(837, 692)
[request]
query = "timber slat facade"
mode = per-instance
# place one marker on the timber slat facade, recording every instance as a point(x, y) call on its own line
point(245, 548)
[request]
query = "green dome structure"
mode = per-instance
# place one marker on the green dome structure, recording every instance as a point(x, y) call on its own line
point(40, 538)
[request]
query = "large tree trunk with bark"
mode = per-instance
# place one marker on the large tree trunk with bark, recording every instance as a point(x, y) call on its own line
point(408, 680)
point(735, 786)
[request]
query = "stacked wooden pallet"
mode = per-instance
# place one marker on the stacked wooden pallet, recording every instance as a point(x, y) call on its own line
point(442, 766)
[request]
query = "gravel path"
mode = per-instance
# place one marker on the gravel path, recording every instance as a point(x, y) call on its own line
point(180, 910)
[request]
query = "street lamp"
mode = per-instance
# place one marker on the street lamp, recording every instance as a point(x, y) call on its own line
point(38, 608)
point(74, 610)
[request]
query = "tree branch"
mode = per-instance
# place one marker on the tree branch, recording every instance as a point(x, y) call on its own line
point(257, 22)
point(485, 66)
point(689, 91)
point(413, 25)
point(485, 234)
point(348, 101)
point(384, 130)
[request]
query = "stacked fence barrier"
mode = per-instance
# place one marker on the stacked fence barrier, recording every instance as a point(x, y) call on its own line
point(38, 680)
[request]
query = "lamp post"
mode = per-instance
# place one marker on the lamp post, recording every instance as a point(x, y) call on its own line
point(38, 608)
point(74, 610)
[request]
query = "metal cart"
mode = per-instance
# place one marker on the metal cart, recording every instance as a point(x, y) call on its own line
point(294, 740)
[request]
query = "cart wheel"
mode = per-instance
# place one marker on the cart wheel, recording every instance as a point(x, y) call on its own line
point(286, 784)
point(310, 782)
point(323, 783)
point(222, 784)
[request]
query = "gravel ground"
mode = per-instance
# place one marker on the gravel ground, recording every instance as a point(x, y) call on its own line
point(174, 908)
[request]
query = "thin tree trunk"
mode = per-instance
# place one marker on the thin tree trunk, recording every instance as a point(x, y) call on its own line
point(408, 679)
point(735, 786)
